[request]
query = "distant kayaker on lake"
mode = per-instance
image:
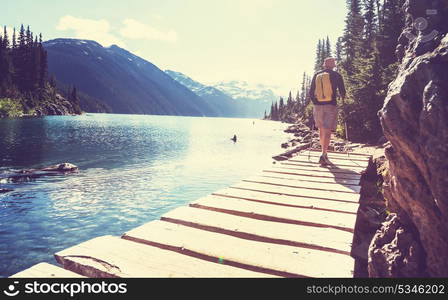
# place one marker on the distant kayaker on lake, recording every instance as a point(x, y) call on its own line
point(323, 92)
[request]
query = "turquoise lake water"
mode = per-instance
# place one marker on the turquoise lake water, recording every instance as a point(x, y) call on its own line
point(132, 169)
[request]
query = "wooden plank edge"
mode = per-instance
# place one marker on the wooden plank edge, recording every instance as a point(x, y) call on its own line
point(253, 237)
point(278, 175)
point(318, 154)
point(285, 204)
point(292, 195)
point(270, 218)
point(320, 172)
point(341, 152)
point(329, 168)
point(354, 187)
point(184, 251)
point(314, 175)
point(298, 187)
point(337, 164)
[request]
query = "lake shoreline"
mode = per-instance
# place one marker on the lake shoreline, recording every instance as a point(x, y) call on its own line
point(59, 106)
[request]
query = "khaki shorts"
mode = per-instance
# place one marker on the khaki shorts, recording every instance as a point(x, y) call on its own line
point(325, 116)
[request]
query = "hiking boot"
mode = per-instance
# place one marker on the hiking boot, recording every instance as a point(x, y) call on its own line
point(322, 161)
point(327, 161)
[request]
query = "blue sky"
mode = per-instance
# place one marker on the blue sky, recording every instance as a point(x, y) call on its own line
point(259, 41)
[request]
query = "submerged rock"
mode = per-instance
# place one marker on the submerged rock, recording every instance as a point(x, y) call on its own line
point(64, 167)
point(29, 174)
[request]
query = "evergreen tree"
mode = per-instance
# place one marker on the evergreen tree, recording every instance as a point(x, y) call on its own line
point(5, 42)
point(43, 68)
point(319, 52)
point(370, 28)
point(352, 39)
point(323, 51)
point(275, 115)
point(303, 89)
point(14, 40)
point(23, 69)
point(290, 101)
point(366, 54)
point(22, 38)
point(5, 62)
point(327, 48)
point(338, 50)
point(281, 107)
point(298, 97)
point(390, 26)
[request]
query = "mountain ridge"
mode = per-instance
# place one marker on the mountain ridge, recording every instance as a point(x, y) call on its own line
point(123, 81)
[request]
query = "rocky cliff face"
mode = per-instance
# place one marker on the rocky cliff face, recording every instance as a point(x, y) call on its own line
point(415, 121)
point(58, 107)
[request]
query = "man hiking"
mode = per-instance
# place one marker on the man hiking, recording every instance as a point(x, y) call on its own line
point(323, 92)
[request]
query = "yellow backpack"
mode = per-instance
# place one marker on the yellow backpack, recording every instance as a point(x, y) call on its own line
point(324, 89)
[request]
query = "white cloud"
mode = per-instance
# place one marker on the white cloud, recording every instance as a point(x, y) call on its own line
point(97, 30)
point(135, 30)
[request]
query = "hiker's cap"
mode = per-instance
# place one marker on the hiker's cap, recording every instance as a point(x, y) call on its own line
point(330, 63)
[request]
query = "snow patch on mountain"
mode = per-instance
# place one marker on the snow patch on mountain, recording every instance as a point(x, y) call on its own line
point(242, 90)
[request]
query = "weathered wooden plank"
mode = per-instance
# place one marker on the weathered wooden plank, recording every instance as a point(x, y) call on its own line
point(275, 189)
point(314, 172)
point(277, 213)
point(325, 239)
point(294, 182)
point(331, 168)
point(310, 178)
point(343, 154)
point(320, 238)
point(346, 173)
point(342, 163)
point(46, 270)
point(307, 153)
point(289, 201)
point(281, 260)
point(342, 160)
point(109, 257)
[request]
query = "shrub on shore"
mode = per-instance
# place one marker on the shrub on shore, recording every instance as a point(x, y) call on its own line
point(10, 108)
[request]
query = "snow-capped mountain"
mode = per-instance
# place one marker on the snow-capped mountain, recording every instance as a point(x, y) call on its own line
point(224, 104)
point(241, 90)
point(233, 98)
point(195, 86)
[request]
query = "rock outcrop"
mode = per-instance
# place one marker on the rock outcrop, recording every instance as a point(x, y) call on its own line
point(394, 251)
point(415, 121)
point(59, 107)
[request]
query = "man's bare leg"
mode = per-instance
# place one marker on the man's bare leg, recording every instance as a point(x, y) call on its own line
point(324, 138)
point(321, 139)
point(326, 135)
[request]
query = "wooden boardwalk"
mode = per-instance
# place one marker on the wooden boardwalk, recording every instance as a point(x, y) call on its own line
point(295, 219)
